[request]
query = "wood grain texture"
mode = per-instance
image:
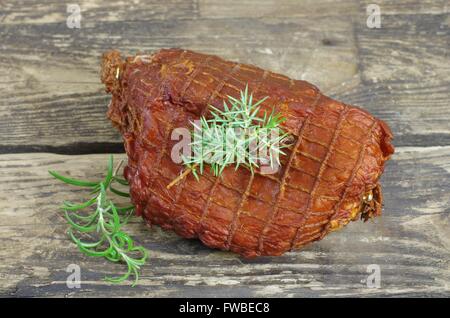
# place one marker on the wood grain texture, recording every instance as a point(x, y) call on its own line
point(395, 7)
point(410, 242)
point(49, 73)
point(314, 8)
point(52, 101)
point(54, 11)
point(53, 98)
point(403, 77)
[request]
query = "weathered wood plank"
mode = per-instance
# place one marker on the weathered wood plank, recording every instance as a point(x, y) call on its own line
point(276, 8)
point(410, 242)
point(315, 8)
point(404, 74)
point(49, 73)
point(395, 7)
point(283, 45)
point(408, 48)
point(43, 102)
point(417, 112)
point(54, 11)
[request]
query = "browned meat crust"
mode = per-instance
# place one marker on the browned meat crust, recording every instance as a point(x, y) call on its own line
point(328, 177)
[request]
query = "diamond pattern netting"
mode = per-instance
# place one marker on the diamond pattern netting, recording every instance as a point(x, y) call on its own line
point(250, 214)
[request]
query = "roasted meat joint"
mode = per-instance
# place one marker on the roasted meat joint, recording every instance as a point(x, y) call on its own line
point(328, 175)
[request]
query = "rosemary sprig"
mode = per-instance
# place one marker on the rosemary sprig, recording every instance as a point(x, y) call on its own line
point(104, 223)
point(230, 135)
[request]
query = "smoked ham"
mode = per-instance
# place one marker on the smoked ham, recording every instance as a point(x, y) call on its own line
point(329, 176)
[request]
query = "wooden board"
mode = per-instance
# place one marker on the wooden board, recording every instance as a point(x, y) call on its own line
point(410, 242)
point(52, 116)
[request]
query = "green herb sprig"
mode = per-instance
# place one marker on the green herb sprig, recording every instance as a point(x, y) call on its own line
point(241, 115)
point(102, 228)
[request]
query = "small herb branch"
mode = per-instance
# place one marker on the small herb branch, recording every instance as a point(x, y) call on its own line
point(98, 232)
point(235, 130)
